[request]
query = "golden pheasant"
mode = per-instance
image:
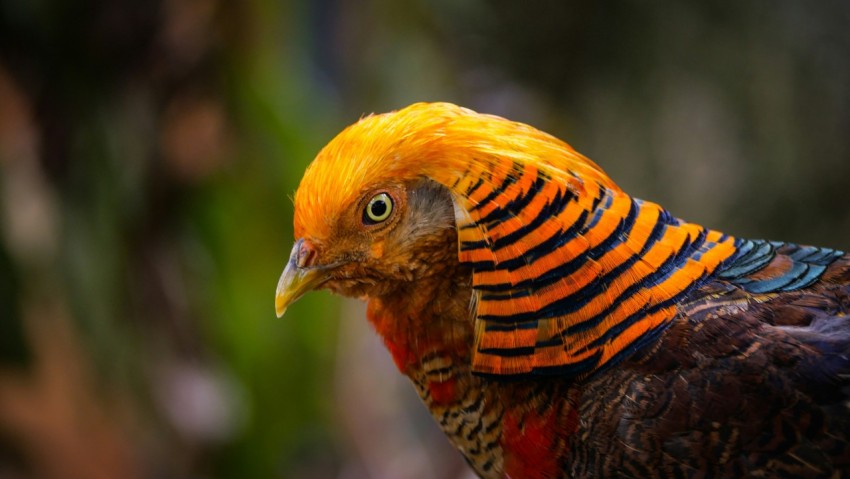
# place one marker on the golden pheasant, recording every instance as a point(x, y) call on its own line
point(555, 326)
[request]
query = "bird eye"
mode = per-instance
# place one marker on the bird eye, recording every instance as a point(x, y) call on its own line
point(380, 208)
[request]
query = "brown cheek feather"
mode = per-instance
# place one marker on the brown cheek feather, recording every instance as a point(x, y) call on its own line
point(377, 249)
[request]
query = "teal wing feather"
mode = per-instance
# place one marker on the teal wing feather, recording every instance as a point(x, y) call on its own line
point(808, 263)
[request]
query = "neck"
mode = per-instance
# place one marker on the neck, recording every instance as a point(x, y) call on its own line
point(428, 316)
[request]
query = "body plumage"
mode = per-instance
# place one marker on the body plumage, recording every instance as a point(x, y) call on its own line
point(557, 327)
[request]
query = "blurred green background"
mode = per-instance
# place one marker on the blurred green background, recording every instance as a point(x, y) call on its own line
point(149, 150)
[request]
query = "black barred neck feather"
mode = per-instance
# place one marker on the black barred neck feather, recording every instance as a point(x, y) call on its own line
point(568, 284)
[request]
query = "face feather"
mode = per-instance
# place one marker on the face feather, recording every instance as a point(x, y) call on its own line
point(569, 273)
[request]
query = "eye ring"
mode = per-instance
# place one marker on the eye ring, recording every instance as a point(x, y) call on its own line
point(378, 210)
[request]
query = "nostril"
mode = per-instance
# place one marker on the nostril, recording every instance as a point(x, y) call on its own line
point(306, 254)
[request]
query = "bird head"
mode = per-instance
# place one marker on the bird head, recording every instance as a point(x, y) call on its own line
point(366, 218)
point(379, 240)
point(390, 198)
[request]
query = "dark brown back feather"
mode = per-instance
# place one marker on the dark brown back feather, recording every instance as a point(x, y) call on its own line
point(742, 384)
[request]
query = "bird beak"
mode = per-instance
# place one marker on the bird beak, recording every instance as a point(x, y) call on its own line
point(299, 276)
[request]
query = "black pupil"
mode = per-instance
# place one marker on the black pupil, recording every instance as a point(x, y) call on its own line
point(379, 208)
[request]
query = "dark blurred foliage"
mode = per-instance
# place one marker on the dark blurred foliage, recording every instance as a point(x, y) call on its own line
point(149, 150)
